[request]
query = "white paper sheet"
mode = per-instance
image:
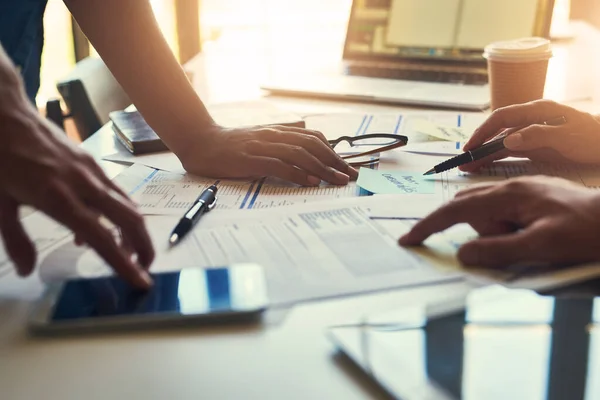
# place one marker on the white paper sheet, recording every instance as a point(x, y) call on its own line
point(309, 251)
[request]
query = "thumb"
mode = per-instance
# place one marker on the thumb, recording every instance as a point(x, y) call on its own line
point(16, 242)
point(502, 250)
point(535, 137)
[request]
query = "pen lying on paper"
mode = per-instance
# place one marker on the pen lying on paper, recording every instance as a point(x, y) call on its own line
point(484, 150)
point(203, 204)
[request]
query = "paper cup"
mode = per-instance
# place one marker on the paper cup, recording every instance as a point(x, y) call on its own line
point(517, 70)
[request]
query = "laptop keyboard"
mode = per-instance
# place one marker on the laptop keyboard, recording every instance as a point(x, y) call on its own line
point(469, 78)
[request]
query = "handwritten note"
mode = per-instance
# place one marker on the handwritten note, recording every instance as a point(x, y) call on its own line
point(394, 182)
point(439, 131)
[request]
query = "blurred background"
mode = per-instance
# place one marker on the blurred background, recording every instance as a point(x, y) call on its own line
point(256, 27)
point(251, 29)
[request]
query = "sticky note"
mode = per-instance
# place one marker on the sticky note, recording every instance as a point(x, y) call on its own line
point(439, 131)
point(395, 182)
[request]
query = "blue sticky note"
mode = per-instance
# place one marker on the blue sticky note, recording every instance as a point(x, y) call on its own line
point(394, 182)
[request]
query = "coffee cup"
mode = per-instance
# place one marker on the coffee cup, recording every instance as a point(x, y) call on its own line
point(517, 70)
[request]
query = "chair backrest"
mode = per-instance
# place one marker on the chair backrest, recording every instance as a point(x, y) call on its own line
point(91, 92)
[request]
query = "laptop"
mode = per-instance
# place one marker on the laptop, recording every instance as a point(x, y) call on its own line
point(419, 52)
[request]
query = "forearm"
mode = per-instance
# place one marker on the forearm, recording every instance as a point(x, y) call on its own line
point(126, 35)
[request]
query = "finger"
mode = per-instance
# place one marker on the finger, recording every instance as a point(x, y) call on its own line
point(301, 158)
point(546, 155)
point(78, 239)
point(16, 241)
point(321, 150)
point(470, 209)
point(489, 227)
point(319, 135)
point(129, 221)
point(71, 212)
point(522, 246)
point(516, 115)
point(477, 165)
point(265, 166)
point(535, 137)
point(476, 188)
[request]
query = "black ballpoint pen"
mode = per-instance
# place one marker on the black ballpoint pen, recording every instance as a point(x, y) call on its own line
point(203, 204)
point(485, 149)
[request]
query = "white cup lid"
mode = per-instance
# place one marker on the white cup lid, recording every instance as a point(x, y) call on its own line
point(519, 50)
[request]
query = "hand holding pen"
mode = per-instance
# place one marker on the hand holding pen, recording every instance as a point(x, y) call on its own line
point(490, 149)
point(576, 140)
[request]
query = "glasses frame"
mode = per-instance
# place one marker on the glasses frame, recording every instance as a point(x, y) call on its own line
point(400, 140)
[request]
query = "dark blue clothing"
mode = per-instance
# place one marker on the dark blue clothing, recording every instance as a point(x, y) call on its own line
point(22, 36)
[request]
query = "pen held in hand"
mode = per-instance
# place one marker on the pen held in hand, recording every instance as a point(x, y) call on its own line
point(484, 150)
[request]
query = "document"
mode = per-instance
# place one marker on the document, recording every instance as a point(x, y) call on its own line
point(394, 182)
point(43, 232)
point(46, 234)
point(419, 126)
point(164, 193)
point(439, 131)
point(440, 148)
point(166, 160)
point(309, 251)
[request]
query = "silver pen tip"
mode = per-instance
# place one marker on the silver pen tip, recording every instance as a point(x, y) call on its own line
point(173, 239)
point(430, 172)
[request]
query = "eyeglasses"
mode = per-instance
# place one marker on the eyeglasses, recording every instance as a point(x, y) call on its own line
point(377, 143)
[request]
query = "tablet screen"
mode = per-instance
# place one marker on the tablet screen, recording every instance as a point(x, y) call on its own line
point(191, 291)
point(511, 344)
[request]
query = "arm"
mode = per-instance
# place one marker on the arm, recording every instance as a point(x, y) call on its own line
point(40, 167)
point(126, 35)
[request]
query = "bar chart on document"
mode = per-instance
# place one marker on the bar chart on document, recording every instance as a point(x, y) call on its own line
point(166, 193)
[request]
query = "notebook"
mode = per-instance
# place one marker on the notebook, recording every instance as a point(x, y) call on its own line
point(134, 133)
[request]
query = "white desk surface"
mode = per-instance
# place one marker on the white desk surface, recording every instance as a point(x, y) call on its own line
point(291, 359)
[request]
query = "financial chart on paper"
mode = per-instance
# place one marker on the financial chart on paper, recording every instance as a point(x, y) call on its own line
point(166, 193)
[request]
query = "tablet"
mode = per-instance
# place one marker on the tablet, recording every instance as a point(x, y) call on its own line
point(500, 344)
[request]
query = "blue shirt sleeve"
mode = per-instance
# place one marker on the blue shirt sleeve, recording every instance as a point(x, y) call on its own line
point(22, 36)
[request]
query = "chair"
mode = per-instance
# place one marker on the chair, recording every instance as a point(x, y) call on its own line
point(90, 92)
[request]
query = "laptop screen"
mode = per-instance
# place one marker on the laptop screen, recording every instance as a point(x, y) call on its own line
point(440, 29)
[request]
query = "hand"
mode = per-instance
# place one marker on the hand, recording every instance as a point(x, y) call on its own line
point(40, 167)
point(297, 155)
point(538, 220)
point(578, 140)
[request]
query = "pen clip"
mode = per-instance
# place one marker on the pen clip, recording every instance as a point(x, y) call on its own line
point(212, 204)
